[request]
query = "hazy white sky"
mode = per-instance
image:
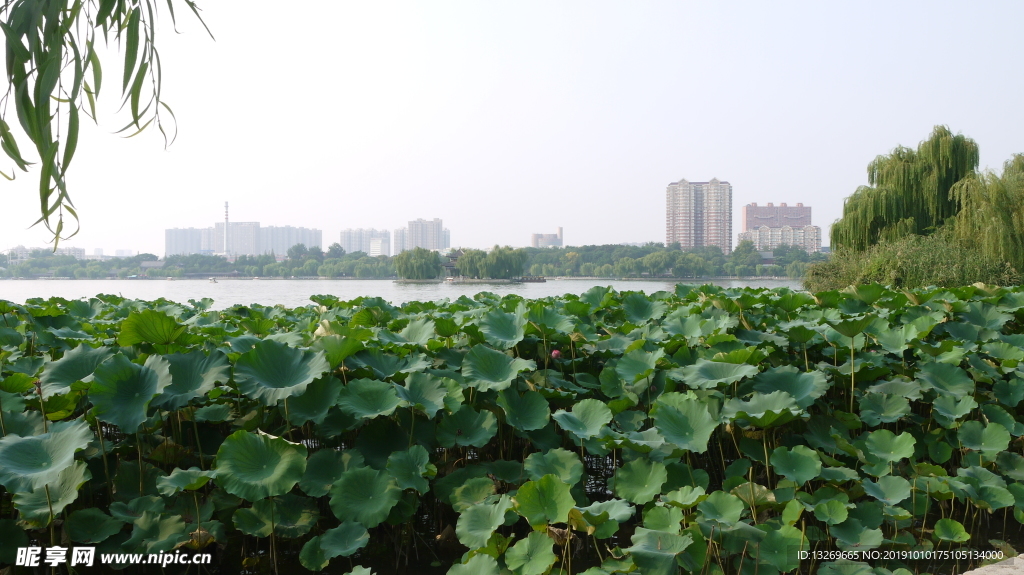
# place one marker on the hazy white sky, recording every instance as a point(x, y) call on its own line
point(509, 118)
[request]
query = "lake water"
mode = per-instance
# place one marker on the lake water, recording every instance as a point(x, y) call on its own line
point(293, 293)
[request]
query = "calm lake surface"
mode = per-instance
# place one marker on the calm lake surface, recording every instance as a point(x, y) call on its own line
point(293, 293)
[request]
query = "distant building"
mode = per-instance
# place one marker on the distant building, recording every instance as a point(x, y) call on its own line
point(123, 253)
point(755, 216)
point(21, 253)
point(547, 240)
point(771, 226)
point(361, 240)
point(278, 239)
point(699, 214)
point(427, 234)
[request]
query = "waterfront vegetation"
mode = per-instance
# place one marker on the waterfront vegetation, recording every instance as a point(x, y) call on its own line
point(704, 430)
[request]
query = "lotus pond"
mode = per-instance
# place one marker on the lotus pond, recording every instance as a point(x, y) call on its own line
point(705, 430)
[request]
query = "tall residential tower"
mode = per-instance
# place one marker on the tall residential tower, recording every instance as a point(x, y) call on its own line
point(699, 214)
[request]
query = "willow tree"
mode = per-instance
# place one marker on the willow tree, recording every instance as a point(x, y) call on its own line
point(909, 191)
point(992, 212)
point(54, 76)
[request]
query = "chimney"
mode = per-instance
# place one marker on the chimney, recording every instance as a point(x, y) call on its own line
point(559, 232)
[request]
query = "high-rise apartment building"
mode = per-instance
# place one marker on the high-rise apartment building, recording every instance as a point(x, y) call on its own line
point(278, 239)
point(771, 226)
point(546, 240)
point(242, 239)
point(699, 214)
point(755, 216)
point(361, 240)
point(428, 234)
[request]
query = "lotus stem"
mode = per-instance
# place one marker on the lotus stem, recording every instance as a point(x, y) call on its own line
point(42, 406)
point(853, 373)
point(142, 474)
point(103, 452)
point(199, 446)
point(287, 420)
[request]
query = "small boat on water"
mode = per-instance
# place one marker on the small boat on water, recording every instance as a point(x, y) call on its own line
point(213, 280)
point(533, 279)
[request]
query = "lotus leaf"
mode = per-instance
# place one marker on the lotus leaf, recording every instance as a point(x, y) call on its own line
point(28, 463)
point(637, 364)
point(640, 480)
point(192, 375)
point(667, 519)
point(155, 533)
point(325, 467)
point(559, 462)
point(384, 365)
point(780, 548)
point(467, 426)
point(338, 347)
point(721, 508)
point(771, 410)
point(255, 467)
point(312, 556)
point(37, 507)
point(364, 495)
point(368, 398)
point(472, 492)
point(831, 512)
point(412, 468)
point(477, 523)
point(272, 371)
point(989, 440)
point(654, 552)
point(684, 420)
point(946, 379)
point(851, 535)
point(878, 408)
point(948, 409)
point(487, 369)
point(887, 446)
point(121, 390)
point(149, 326)
point(950, 530)
point(640, 309)
point(586, 418)
point(476, 565)
point(706, 374)
point(801, 464)
point(804, 387)
point(215, 413)
point(289, 516)
point(503, 330)
point(12, 538)
point(314, 403)
point(424, 392)
point(526, 412)
point(91, 525)
point(531, 556)
point(183, 480)
point(889, 490)
point(76, 365)
point(546, 500)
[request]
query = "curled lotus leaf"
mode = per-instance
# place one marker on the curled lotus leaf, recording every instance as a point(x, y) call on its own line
point(368, 398)
point(546, 500)
point(364, 495)
point(28, 463)
point(950, 530)
point(946, 379)
point(771, 410)
point(256, 466)
point(424, 392)
point(486, 369)
point(705, 374)
point(532, 555)
point(503, 330)
point(91, 525)
point(121, 391)
point(183, 480)
point(467, 426)
point(586, 418)
point(36, 508)
point(344, 540)
point(155, 533)
point(562, 463)
point(59, 376)
point(471, 492)
point(412, 468)
point(637, 364)
point(889, 490)
point(314, 403)
point(325, 467)
point(479, 564)
point(478, 522)
point(272, 371)
point(640, 309)
point(800, 464)
point(803, 386)
point(193, 374)
point(526, 412)
point(684, 420)
point(149, 326)
point(312, 556)
point(384, 365)
point(288, 516)
point(640, 480)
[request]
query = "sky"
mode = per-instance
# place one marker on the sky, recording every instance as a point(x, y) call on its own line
point(511, 118)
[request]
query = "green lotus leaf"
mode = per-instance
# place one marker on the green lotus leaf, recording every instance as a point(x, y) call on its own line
point(1004, 351)
point(586, 418)
point(272, 371)
point(503, 330)
point(192, 375)
point(289, 516)
point(13, 386)
point(154, 533)
point(546, 500)
point(183, 480)
point(312, 556)
point(663, 519)
point(526, 412)
point(851, 535)
point(804, 387)
point(889, 490)
point(946, 379)
point(559, 462)
point(12, 538)
point(878, 408)
point(637, 364)
point(639, 309)
point(897, 338)
point(721, 508)
point(325, 467)
point(486, 369)
point(121, 390)
point(988, 439)
point(314, 403)
point(384, 365)
point(801, 464)
point(255, 467)
point(772, 410)
point(25, 424)
point(685, 497)
point(780, 548)
point(992, 497)
point(985, 315)
point(34, 507)
point(411, 468)
point(997, 414)
point(338, 347)
point(418, 331)
point(640, 480)
point(531, 556)
point(950, 530)
point(149, 326)
point(91, 525)
point(479, 564)
point(654, 552)
point(545, 316)
point(854, 326)
point(477, 523)
point(368, 398)
point(344, 540)
point(424, 392)
point(76, 365)
point(10, 339)
point(215, 413)
point(129, 511)
point(684, 420)
point(365, 495)
point(28, 463)
point(706, 374)
point(887, 446)
point(832, 512)
point(471, 492)
point(467, 426)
